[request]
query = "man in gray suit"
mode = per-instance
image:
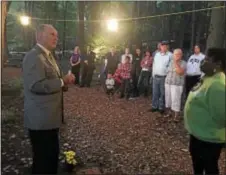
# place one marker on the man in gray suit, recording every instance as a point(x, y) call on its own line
point(43, 88)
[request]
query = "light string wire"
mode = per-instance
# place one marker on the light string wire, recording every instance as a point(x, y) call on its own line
point(127, 19)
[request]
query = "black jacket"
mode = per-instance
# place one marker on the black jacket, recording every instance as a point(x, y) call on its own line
point(91, 59)
point(136, 68)
point(112, 62)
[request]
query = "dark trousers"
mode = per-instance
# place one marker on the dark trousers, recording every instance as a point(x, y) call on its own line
point(89, 76)
point(205, 156)
point(190, 82)
point(45, 149)
point(143, 82)
point(135, 78)
point(84, 72)
point(125, 89)
point(75, 70)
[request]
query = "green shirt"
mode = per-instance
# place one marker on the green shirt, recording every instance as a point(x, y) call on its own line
point(204, 112)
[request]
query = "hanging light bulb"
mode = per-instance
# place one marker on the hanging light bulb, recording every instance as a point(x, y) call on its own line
point(112, 25)
point(25, 20)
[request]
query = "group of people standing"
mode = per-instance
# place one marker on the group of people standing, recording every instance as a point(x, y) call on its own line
point(163, 74)
point(83, 66)
point(202, 78)
point(204, 112)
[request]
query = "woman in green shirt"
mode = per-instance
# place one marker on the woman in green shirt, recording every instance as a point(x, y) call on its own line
point(204, 114)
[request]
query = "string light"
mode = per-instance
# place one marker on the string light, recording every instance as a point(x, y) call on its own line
point(129, 19)
point(112, 25)
point(25, 20)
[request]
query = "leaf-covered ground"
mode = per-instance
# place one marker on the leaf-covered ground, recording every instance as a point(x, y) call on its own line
point(119, 135)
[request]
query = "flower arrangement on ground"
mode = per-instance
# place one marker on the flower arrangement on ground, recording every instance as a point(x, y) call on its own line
point(70, 161)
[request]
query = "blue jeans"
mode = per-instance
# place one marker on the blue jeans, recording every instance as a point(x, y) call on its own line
point(158, 92)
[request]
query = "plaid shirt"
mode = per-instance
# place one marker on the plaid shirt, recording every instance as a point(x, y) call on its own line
point(116, 76)
point(146, 63)
point(125, 70)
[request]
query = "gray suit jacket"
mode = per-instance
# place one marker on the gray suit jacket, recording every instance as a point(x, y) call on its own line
point(42, 91)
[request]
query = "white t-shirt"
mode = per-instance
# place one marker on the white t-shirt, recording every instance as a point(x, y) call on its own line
point(110, 82)
point(193, 64)
point(124, 57)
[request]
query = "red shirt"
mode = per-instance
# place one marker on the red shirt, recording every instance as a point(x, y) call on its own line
point(146, 62)
point(125, 70)
point(117, 77)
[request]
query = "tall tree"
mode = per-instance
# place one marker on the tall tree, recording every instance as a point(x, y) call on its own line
point(193, 22)
point(81, 37)
point(216, 31)
point(4, 10)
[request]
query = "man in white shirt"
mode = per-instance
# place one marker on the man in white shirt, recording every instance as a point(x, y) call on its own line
point(159, 70)
point(193, 72)
point(126, 54)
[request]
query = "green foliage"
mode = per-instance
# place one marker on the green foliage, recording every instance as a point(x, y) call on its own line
point(96, 34)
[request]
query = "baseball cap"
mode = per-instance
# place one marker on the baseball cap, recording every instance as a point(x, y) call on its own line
point(164, 42)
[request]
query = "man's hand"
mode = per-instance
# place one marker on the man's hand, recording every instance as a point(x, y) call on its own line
point(69, 79)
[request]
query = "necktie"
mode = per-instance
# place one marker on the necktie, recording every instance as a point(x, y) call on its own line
point(53, 61)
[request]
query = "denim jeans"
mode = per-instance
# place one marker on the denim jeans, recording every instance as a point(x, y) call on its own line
point(158, 92)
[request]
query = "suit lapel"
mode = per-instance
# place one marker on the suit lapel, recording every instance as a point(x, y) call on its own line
point(55, 66)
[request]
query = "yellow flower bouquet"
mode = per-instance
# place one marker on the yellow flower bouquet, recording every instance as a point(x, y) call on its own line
point(70, 160)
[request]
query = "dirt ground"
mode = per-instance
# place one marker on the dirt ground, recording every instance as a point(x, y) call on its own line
point(119, 136)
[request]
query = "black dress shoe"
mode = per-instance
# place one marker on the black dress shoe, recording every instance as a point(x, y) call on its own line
point(121, 96)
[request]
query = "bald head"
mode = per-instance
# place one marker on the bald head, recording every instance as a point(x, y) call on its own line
point(47, 36)
point(177, 54)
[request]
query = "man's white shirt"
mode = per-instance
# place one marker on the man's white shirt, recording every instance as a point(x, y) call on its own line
point(160, 63)
point(193, 64)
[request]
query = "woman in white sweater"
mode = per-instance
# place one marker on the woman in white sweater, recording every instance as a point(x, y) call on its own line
point(193, 72)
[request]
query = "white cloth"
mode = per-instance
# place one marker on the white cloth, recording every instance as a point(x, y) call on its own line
point(193, 64)
point(110, 82)
point(160, 63)
point(124, 57)
point(173, 96)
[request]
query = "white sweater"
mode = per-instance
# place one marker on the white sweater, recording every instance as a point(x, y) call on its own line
point(193, 64)
point(110, 82)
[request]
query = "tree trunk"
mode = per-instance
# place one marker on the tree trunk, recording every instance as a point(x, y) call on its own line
point(216, 31)
point(193, 26)
point(64, 30)
point(81, 37)
point(4, 9)
point(224, 24)
point(94, 15)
